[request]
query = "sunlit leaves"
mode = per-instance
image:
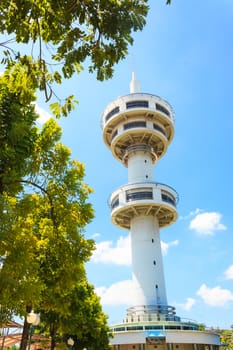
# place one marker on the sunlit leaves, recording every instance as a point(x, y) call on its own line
point(227, 339)
point(81, 317)
point(19, 280)
point(59, 109)
point(63, 35)
point(17, 136)
point(41, 228)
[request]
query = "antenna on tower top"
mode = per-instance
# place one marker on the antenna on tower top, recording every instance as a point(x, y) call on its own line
point(134, 84)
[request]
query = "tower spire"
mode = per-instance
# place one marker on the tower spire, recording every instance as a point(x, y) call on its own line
point(134, 84)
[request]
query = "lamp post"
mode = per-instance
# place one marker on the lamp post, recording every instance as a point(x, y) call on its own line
point(33, 319)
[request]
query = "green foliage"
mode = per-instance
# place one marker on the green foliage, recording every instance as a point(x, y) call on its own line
point(19, 279)
point(41, 230)
point(21, 78)
point(44, 209)
point(201, 327)
point(17, 134)
point(81, 318)
point(227, 339)
point(63, 109)
point(59, 36)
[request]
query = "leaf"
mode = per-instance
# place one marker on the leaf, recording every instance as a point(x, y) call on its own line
point(55, 109)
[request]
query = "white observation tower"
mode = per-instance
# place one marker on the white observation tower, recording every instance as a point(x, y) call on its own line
point(138, 129)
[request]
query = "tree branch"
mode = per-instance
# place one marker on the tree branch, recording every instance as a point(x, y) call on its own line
point(42, 189)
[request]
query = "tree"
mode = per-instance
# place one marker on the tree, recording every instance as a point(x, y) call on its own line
point(227, 339)
point(201, 326)
point(61, 35)
point(42, 246)
point(17, 136)
point(82, 319)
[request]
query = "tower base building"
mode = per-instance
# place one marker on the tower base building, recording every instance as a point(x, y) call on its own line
point(138, 129)
point(162, 335)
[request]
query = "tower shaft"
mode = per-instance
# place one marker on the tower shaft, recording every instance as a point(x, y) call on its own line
point(147, 264)
point(140, 165)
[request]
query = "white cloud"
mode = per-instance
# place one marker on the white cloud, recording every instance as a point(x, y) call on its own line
point(207, 223)
point(165, 246)
point(120, 254)
point(229, 273)
point(188, 304)
point(120, 293)
point(215, 296)
point(95, 235)
point(44, 116)
point(191, 214)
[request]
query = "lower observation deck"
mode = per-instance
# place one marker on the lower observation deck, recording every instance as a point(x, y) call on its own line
point(145, 198)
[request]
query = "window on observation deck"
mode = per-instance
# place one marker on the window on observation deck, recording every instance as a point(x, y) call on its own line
point(134, 328)
point(157, 127)
point(119, 329)
point(173, 327)
point(135, 124)
point(139, 195)
point(112, 112)
point(135, 104)
point(115, 202)
point(153, 327)
point(160, 108)
point(168, 198)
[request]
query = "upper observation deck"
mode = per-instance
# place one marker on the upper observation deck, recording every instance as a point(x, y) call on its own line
point(138, 119)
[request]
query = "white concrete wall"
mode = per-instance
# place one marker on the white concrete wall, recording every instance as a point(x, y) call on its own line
point(194, 337)
point(128, 338)
point(147, 263)
point(176, 337)
point(140, 167)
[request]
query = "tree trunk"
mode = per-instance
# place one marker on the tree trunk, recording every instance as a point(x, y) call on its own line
point(53, 337)
point(25, 335)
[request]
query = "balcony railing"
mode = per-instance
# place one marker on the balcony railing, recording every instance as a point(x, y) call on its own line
point(143, 192)
point(124, 103)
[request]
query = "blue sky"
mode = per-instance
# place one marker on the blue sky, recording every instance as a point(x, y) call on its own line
point(184, 55)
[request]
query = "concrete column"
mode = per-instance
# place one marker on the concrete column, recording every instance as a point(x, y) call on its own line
point(140, 167)
point(147, 263)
